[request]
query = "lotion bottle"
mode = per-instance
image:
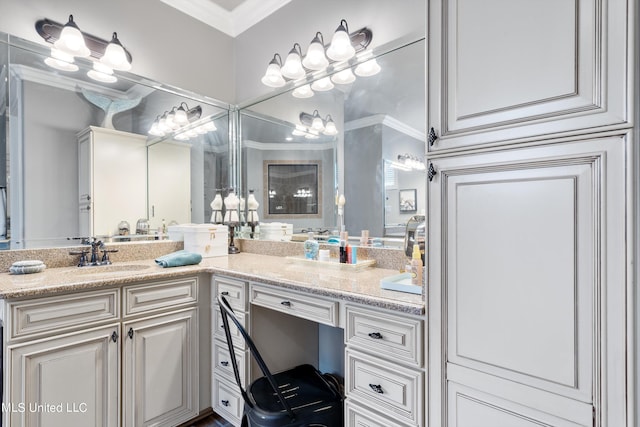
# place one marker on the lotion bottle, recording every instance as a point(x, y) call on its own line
point(416, 265)
point(311, 247)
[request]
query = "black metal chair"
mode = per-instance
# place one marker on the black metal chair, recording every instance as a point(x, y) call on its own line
point(298, 397)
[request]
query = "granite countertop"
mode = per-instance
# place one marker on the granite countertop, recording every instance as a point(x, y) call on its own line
point(361, 286)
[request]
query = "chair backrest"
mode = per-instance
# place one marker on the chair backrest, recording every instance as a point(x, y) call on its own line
point(227, 313)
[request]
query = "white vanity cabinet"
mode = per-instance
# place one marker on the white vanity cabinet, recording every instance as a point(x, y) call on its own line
point(508, 71)
point(112, 180)
point(384, 373)
point(123, 356)
point(226, 399)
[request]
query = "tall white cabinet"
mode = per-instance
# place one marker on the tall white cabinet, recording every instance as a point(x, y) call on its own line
point(112, 181)
point(531, 215)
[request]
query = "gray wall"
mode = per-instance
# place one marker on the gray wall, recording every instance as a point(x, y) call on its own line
point(167, 45)
point(298, 22)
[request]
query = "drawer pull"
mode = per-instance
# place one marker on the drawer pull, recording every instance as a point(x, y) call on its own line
point(286, 303)
point(225, 403)
point(375, 335)
point(225, 293)
point(130, 333)
point(114, 336)
point(224, 363)
point(377, 388)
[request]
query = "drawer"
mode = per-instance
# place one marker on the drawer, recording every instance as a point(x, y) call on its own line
point(226, 400)
point(218, 329)
point(149, 297)
point(388, 387)
point(54, 314)
point(385, 334)
point(222, 362)
point(358, 416)
point(307, 307)
point(235, 291)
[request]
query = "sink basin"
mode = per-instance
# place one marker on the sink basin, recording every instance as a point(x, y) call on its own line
point(112, 268)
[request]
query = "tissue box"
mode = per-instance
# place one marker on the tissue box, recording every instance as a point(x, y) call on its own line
point(208, 240)
point(279, 231)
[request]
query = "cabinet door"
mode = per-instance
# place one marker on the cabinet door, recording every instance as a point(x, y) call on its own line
point(502, 70)
point(160, 369)
point(527, 286)
point(40, 375)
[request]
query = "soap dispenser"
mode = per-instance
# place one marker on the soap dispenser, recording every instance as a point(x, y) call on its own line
point(311, 247)
point(416, 265)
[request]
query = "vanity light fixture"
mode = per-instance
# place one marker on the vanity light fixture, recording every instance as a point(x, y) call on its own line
point(368, 68)
point(411, 162)
point(322, 85)
point(343, 47)
point(314, 124)
point(343, 77)
point(69, 42)
point(176, 119)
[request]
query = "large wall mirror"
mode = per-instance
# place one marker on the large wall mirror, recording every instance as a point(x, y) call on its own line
point(78, 159)
point(375, 159)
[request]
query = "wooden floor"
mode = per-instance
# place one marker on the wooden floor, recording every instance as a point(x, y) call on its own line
point(211, 421)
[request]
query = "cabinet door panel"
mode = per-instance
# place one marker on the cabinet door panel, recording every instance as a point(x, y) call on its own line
point(160, 369)
point(40, 374)
point(527, 281)
point(503, 70)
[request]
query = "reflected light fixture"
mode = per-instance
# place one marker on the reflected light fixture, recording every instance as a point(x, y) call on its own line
point(314, 124)
point(411, 162)
point(322, 85)
point(368, 68)
point(69, 42)
point(176, 119)
point(342, 48)
point(343, 77)
point(303, 92)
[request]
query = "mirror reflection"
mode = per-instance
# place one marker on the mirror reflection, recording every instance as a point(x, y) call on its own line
point(375, 157)
point(83, 163)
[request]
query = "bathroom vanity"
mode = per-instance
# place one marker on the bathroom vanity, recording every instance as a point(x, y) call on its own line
point(133, 344)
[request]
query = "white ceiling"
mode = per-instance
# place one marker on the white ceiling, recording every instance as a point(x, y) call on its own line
point(229, 16)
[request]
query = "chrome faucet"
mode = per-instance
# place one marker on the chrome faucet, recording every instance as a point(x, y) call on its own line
point(96, 246)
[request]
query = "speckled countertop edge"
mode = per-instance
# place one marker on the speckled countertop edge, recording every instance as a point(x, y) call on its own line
point(353, 286)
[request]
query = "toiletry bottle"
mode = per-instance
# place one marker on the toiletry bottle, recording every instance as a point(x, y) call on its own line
point(343, 251)
point(416, 265)
point(311, 247)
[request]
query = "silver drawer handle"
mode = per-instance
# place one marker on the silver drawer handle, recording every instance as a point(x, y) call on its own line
point(286, 303)
point(225, 403)
point(224, 363)
point(377, 388)
point(375, 335)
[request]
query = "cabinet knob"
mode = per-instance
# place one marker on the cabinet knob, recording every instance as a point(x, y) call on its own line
point(225, 293)
point(130, 333)
point(375, 335)
point(431, 172)
point(377, 388)
point(432, 136)
point(225, 402)
point(224, 363)
point(286, 303)
point(114, 336)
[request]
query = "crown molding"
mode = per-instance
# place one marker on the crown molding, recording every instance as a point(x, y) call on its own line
point(232, 23)
point(287, 146)
point(390, 122)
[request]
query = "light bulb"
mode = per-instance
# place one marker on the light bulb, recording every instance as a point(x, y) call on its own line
point(71, 40)
point(102, 73)
point(341, 48)
point(273, 75)
point(292, 67)
point(315, 58)
point(60, 61)
point(330, 127)
point(180, 117)
point(114, 55)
